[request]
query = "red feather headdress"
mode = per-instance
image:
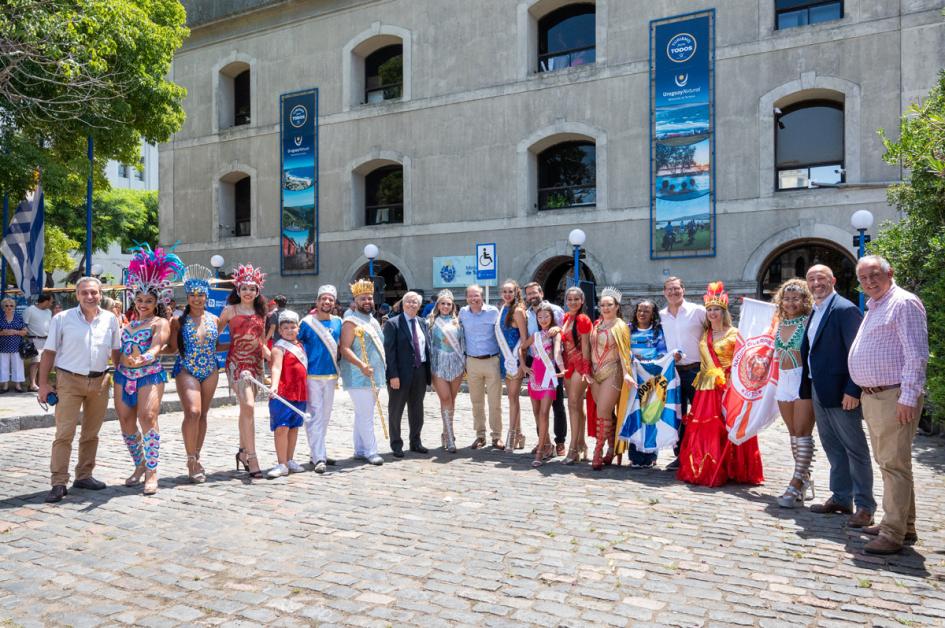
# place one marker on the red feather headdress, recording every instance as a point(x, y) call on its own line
point(716, 295)
point(246, 274)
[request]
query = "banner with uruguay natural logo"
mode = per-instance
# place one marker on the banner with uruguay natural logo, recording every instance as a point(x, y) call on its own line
point(682, 135)
point(749, 405)
point(299, 173)
point(652, 420)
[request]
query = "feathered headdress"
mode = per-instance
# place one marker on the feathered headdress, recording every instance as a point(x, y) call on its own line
point(715, 295)
point(153, 271)
point(197, 279)
point(245, 274)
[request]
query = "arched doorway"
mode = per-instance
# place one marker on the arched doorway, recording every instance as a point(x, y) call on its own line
point(395, 286)
point(794, 258)
point(555, 275)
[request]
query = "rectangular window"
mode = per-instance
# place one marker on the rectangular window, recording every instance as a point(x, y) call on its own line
point(123, 171)
point(791, 13)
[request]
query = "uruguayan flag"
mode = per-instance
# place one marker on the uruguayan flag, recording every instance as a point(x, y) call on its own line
point(652, 420)
point(25, 244)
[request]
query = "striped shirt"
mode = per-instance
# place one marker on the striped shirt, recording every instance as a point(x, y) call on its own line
point(892, 345)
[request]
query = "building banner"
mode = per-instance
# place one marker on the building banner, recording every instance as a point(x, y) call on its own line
point(299, 171)
point(682, 136)
point(457, 271)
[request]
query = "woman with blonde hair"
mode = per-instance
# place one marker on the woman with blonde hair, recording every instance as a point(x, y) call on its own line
point(447, 361)
point(795, 303)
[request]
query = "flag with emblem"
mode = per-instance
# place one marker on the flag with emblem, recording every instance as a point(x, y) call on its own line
point(653, 414)
point(24, 245)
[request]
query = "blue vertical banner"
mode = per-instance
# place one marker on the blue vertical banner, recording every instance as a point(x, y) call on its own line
point(682, 136)
point(298, 225)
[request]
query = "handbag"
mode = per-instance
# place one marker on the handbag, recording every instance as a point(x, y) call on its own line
point(27, 348)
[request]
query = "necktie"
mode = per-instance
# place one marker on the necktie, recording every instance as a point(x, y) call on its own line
point(416, 343)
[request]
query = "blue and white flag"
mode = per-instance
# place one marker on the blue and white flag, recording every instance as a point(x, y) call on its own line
point(652, 420)
point(25, 243)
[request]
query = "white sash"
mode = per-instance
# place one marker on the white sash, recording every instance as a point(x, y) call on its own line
point(510, 355)
point(550, 380)
point(370, 328)
point(294, 349)
point(324, 334)
point(449, 333)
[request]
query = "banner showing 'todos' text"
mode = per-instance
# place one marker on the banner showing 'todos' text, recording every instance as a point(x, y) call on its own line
point(682, 142)
point(299, 158)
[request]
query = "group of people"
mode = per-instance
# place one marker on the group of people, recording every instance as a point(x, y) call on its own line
point(833, 369)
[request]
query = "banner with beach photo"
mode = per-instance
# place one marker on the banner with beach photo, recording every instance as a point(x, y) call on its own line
point(298, 243)
point(682, 142)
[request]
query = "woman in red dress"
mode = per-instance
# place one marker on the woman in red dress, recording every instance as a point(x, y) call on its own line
point(706, 456)
point(576, 347)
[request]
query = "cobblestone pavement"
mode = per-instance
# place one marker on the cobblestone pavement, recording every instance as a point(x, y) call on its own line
point(475, 538)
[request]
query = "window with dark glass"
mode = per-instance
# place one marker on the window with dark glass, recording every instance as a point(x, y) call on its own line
point(241, 112)
point(809, 144)
point(242, 206)
point(384, 74)
point(384, 196)
point(566, 37)
point(791, 13)
point(567, 176)
point(123, 171)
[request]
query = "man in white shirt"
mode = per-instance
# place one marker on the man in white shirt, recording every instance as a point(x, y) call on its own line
point(79, 344)
point(37, 317)
point(683, 324)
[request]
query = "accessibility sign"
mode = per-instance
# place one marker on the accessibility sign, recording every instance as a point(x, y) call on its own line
point(486, 262)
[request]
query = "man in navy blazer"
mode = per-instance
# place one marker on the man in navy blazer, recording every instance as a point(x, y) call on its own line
point(831, 328)
point(407, 345)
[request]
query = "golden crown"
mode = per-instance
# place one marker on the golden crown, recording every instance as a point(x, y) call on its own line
point(715, 295)
point(362, 286)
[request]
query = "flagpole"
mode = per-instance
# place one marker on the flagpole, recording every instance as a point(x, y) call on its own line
point(88, 212)
point(3, 262)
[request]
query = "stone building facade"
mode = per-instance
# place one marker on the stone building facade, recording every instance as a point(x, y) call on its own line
point(469, 122)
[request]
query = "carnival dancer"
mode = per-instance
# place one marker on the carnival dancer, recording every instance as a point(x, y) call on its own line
point(510, 327)
point(576, 349)
point(319, 333)
point(794, 302)
point(647, 343)
point(362, 368)
point(289, 368)
point(706, 456)
point(447, 360)
point(611, 373)
point(245, 314)
point(543, 377)
point(193, 338)
point(139, 376)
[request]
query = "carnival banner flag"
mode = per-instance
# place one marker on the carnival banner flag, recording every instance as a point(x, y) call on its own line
point(749, 405)
point(652, 420)
point(25, 243)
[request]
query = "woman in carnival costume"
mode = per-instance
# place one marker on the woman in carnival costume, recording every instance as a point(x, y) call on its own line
point(448, 361)
point(707, 457)
point(576, 348)
point(194, 339)
point(611, 374)
point(245, 314)
point(139, 375)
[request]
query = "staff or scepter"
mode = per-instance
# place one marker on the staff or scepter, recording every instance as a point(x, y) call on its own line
point(377, 398)
point(247, 376)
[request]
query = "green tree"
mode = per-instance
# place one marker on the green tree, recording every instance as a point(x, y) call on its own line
point(915, 245)
point(70, 69)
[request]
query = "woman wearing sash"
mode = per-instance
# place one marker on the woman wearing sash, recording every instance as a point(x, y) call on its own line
point(245, 314)
point(139, 376)
point(576, 347)
point(510, 328)
point(194, 339)
point(543, 377)
point(447, 361)
point(611, 374)
point(706, 457)
point(795, 303)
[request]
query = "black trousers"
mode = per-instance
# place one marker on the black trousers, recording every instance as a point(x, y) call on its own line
point(408, 396)
point(687, 394)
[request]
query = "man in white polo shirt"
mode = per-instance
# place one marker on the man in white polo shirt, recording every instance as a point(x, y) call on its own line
point(683, 323)
point(79, 344)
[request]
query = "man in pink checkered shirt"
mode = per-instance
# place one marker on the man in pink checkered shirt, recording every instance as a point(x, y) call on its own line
point(887, 360)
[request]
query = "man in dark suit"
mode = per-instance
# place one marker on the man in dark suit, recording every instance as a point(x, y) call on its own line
point(407, 345)
point(831, 328)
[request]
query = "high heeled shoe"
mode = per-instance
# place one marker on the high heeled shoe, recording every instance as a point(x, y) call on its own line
point(519, 440)
point(150, 482)
point(135, 478)
point(245, 460)
point(197, 476)
point(571, 458)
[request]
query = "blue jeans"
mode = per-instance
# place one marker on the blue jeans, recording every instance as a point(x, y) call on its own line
point(844, 442)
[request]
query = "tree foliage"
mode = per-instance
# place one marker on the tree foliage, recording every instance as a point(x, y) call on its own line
point(70, 69)
point(58, 247)
point(125, 216)
point(915, 245)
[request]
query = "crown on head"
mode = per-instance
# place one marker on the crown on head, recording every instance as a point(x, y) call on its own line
point(245, 274)
point(611, 292)
point(197, 279)
point(715, 295)
point(362, 286)
point(152, 271)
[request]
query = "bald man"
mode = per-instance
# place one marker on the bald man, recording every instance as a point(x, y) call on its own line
point(831, 328)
